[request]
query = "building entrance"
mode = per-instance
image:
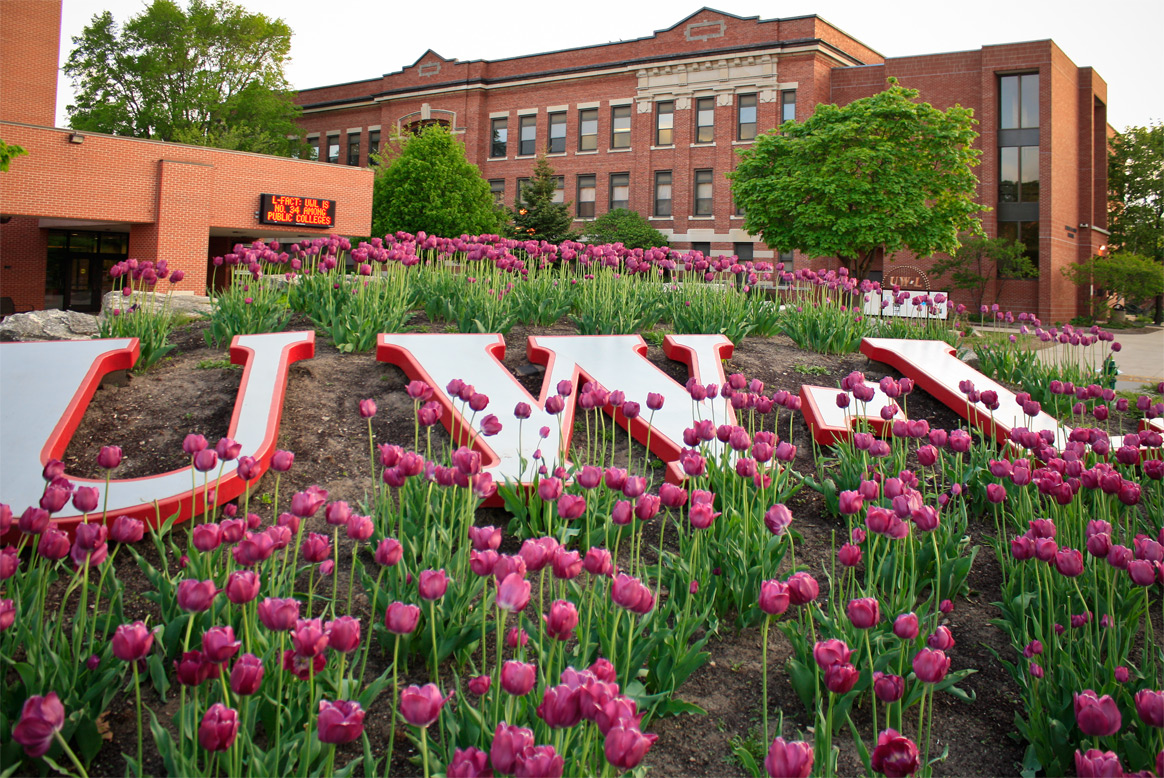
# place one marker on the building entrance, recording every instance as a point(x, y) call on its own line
point(77, 271)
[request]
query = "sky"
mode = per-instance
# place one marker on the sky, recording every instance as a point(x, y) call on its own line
point(352, 40)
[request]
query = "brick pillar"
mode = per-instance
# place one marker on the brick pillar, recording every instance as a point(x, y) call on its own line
point(23, 252)
point(181, 231)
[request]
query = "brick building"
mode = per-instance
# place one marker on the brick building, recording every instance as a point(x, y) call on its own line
point(654, 124)
point(79, 202)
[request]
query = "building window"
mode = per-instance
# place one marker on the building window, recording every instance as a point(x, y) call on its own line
point(1018, 102)
point(747, 119)
point(1018, 174)
point(1026, 233)
point(586, 189)
point(559, 190)
point(354, 150)
point(702, 247)
point(705, 120)
point(497, 189)
point(500, 135)
point(619, 190)
point(665, 123)
point(557, 133)
point(373, 146)
point(528, 141)
point(785, 257)
point(703, 205)
point(313, 148)
point(522, 183)
point(588, 129)
point(745, 252)
point(663, 193)
point(333, 149)
point(620, 127)
point(788, 106)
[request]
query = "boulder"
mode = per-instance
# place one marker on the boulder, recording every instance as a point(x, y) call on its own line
point(190, 305)
point(48, 325)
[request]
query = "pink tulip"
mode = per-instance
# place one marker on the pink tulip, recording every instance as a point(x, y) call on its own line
point(931, 665)
point(401, 619)
point(279, 615)
point(196, 596)
point(219, 728)
point(888, 688)
point(559, 707)
point(774, 597)
point(469, 763)
point(340, 722)
point(513, 593)
point(432, 584)
point(509, 743)
point(864, 612)
point(625, 747)
point(1098, 764)
point(343, 634)
point(41, 718)
point(517, 678)
point(789, 759)
point(561, 620)
point(421, 705)
point(895, 756)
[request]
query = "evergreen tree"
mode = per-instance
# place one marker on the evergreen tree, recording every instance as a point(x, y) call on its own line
point(535, 214)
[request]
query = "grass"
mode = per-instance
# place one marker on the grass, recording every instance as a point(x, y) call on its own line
point(810, 369)
point(218, 364)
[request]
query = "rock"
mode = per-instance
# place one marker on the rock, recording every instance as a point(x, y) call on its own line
point(48, 325)
point(190, 305)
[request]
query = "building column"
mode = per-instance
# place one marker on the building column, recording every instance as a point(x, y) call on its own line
point(180, 233)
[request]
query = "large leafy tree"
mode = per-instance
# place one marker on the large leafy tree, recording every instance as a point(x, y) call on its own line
point(883, 172)
point(1136, 192)
point(425, 183)
point(535, 215)
point(210, 74)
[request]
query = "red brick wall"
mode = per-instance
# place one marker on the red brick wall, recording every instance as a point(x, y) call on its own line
point(30, 32)
point(23, 281)
point(170, 194)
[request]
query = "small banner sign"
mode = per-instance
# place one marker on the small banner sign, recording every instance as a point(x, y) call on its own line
point(296, 211)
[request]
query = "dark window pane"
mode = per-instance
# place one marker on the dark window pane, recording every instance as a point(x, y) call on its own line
point(702, 248)
point(1029, 87)
point(620, 127)
point(620, 190)
point(663, 193)
point(588, 130)
point(788, 106)
point(1008, 174)
point(559, 190)
point(497, 188)
point(586, 190)
point(557, 133)
point(744, 251)
point(353, 149)
point(703, 194)
point(1008, 103)
point(705, 120)
point(82, 242)
point(1029, 174)
point(500, 130)
point(529, 136)
point(747, 128)
point(313, 152)
point(664, 123)
point(333, 149)
point(1030, 238)
point(373, 145)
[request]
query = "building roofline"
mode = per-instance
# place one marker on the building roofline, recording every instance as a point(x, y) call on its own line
point(580, 69)
point(654, 34)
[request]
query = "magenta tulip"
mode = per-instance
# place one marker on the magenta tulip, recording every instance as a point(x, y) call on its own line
point(774, 597)
point(895, 756)
point(196, 596)
point(931, 665)
point(41, 719)
point(401, 619)
point(1098, 764)
point(513, 593)
point(625, 747)
point(421, 705)
point(247, 675)
point(339, 722)
point(509, 743)
point(432, 584)
point(219, 728)
point(789, 759)
point(864, 612)
point(517, 678)
point(132, 642)
point(279, 615)
point(343, 634)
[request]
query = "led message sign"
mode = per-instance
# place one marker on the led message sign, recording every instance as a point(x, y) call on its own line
point(296, 211)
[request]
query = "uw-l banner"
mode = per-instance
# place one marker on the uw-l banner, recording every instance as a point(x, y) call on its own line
point(45, 389)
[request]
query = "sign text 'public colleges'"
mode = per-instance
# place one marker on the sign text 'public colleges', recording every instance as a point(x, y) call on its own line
point(296, 211)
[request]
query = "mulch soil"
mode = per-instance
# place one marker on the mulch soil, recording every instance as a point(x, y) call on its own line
point(193, 390)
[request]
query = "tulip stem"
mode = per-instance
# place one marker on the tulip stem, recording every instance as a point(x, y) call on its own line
point(869, 649)
point(137, 694)
point(424, 748)
point(764, 665)
point(395, 707)
point(435, 655)
point(73, 757)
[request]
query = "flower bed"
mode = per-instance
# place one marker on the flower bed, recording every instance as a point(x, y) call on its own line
point(394, 625)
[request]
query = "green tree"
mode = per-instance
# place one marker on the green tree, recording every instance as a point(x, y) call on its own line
point(1124, 277)
point(9, 153)
point(210, 75)
point(535, 214)
point(979, 259)
point(429, 185)
point(627, 227)
point(883, 172)
point(1136, 194)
